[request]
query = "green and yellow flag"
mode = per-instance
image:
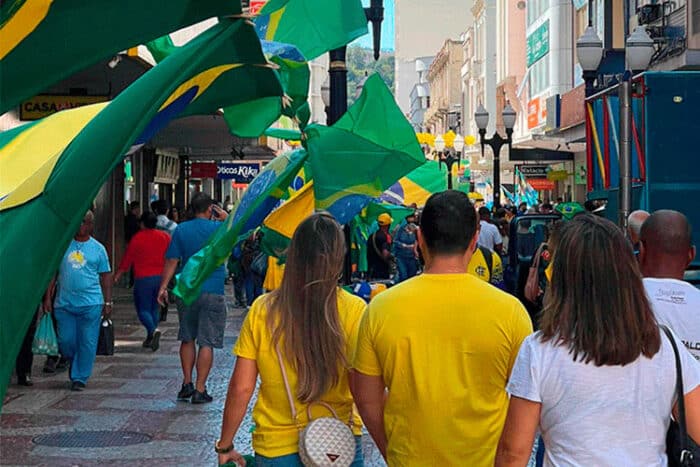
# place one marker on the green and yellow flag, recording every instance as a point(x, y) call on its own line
point(313, 26)
point(45, 41)
point(418, 185)
point(41, 207)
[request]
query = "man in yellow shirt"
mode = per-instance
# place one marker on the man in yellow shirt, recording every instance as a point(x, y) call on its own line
point(487, 266)
point(444, 344)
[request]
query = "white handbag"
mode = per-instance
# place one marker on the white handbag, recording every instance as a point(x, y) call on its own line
point(324, 441)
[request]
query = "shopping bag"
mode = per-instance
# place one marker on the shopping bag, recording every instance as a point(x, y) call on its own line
point(45, 341)
point(105, 343)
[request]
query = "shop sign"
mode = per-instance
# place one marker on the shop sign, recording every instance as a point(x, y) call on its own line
point(168, 169)
point(536, 113)
point(541, 184)
point(557, 175)
point(239, 172)
point(580, 175)
point(573, 108)
point(203, 170)
point(533, 171)
point(538, 43)
point(44, 105)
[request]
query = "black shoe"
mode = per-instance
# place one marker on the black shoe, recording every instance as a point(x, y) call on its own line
point(25, 380)
point(77, 386)
point(201, 397)
point(147, 343)
point(185, 392)
point(155, 342)
point(63, 364)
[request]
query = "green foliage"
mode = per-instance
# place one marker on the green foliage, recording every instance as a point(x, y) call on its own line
point(360, 63)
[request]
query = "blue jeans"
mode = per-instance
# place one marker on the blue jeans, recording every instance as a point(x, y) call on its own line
point(253, 287)
point(146, 301)
point(293, 460)
point(78, 330)
point(407, 266)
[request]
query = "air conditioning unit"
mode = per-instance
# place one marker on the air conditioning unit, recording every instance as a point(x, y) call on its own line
point(649, 12)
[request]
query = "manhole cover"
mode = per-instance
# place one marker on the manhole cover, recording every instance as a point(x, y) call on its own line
point(92, 439)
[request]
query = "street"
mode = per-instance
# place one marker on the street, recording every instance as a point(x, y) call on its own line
point(129, 405)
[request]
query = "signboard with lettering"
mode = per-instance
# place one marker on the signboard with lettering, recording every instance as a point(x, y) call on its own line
point(533, 171)
point(538, 43)
point(43, 105)
point(536, 112)
point(256, 6)
point(239, 172)
point(541, 184)
point(203, 170)
point(168, 169)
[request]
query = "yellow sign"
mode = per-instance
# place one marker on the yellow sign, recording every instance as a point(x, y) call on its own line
point(44, 105)
point(557, 175)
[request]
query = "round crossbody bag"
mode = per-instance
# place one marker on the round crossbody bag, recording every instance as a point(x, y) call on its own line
point(324, 441)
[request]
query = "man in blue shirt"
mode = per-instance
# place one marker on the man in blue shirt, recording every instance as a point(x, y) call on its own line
point(205, 319)
point(84, 295)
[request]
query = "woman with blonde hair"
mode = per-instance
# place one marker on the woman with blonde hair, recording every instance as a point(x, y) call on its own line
point(304, 332)
point(599, 378)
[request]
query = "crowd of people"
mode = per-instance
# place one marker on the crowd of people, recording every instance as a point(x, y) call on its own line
point(444, 367)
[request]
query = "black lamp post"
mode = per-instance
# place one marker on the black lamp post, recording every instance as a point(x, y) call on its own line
point(481, 116)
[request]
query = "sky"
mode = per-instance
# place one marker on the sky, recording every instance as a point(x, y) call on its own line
point(387, 28)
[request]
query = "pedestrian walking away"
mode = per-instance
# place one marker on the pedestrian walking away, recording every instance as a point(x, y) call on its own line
point(146, 254)
point(203, 321)
point(298, 339)
point(446, 371)
point(599, 378)
point(83, 296)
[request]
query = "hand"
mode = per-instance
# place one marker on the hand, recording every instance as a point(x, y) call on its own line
point(117, 276)
point(106, 310)
point(221, 214)
point(233, 456)
point(47, 305)
point(163, 296)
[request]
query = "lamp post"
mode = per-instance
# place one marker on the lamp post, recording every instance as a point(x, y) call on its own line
point(496, 142)
point(589, 50)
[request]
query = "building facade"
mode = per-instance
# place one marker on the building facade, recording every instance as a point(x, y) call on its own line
point(444, 112)
point(420, 94)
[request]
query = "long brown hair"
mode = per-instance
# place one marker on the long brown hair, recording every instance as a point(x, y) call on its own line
point(304, 310)
point(596, 304)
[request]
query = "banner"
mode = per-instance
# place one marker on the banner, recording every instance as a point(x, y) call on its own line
point(239, 172)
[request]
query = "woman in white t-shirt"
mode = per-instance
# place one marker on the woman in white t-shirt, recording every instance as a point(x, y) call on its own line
point(598, 379)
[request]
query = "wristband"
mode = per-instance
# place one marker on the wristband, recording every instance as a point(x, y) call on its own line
point(108, 303)
point(220, 450)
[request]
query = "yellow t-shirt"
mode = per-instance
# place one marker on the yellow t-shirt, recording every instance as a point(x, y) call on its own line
point(273, 277)
point(445, 345)
point(478, 267)
point(276, 434)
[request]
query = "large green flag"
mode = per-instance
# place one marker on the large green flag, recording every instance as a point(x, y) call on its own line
point(45, 41)
point(313, 26)
point(418, 185)
point(223, 66)
point(260, 198)
point(363, 153)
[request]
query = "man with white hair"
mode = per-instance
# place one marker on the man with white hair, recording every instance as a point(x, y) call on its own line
point(634, 227)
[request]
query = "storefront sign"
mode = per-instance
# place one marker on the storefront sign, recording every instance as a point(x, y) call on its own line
point(557, 175)
point(203, 170)
point(256, 6)
point(536, 112)
point(573, 108)
point(168, 169)
point(533, 171)
point(538, 43)
point(44, 105)
point(541, 184)
point(239, 172)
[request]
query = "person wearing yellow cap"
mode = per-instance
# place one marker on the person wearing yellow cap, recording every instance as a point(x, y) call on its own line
point(379, 257)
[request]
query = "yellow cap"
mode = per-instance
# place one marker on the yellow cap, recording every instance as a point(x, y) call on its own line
point(384, 219)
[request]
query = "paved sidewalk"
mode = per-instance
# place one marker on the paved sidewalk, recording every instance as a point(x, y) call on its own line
point(130, 398)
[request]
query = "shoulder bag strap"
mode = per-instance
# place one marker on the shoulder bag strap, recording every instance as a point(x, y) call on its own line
point(538, 256)
point(679, 396)
point(290, 398)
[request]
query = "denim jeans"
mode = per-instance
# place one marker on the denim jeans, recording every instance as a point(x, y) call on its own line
point(253, 287)
point(407, 266)
point(146, 301)
point(293, 460)
point(78, 330)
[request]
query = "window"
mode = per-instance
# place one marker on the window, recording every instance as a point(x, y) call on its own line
point(535, 10)
point(539, 76)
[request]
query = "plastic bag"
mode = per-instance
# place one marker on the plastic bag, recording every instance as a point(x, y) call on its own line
point(45, 341)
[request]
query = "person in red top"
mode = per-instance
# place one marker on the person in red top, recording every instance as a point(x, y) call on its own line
point(146, 252)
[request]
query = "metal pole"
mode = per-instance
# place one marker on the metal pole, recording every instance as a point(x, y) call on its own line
point(338, 85)
point(625, 94)
point(497, 173)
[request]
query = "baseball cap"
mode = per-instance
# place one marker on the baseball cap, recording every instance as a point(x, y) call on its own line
point(384, 219)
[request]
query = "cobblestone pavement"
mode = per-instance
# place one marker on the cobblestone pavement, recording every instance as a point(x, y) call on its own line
point(130, 394)
point(130, 401)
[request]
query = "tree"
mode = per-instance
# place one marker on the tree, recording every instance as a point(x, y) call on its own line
point(360, 63)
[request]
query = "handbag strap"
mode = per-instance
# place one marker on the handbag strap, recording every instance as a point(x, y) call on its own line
point(680, 398)
point(290, 397)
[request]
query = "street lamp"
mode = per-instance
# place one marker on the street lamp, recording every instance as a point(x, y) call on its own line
point(481, 116)
point(639, 49)
point(589, 51)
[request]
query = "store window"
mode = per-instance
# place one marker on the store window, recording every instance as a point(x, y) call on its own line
point(539, 76)
point(535, 10)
